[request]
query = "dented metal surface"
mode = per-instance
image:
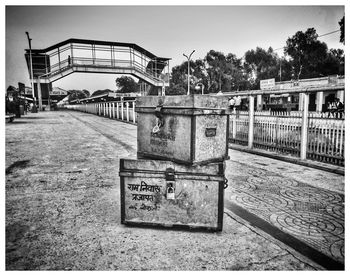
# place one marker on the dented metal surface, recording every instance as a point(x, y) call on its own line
point(162, 193)
point(190, 129)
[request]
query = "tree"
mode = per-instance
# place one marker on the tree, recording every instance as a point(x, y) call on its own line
point(175, 89)
point(261, 64)
point(216, 72)
point(179, 77)
point(335, 62)
point(310, 57)
point(178, 80)
point(342, 30)
point(77, 94)
point(126, 84)
point(216, 65)
point(101, 92)
point(306, 52)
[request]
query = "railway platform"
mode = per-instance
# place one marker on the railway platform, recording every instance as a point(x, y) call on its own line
point(63, 207)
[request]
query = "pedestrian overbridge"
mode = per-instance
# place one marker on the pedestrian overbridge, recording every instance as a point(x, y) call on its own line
point(93, 56)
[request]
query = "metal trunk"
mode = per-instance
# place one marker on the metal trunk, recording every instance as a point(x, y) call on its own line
point(165, 194)
point(191, 129)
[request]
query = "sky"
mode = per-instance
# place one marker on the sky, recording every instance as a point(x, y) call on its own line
point(166, 31)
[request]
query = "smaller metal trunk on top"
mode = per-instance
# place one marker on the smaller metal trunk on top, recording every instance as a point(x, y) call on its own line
point(165, 194)
point(190, 129)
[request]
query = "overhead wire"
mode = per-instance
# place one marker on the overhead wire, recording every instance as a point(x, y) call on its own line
point(317, 37)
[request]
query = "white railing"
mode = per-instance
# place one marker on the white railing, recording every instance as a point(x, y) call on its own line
point(282, 132)
point(316, 136)
point(123, 111)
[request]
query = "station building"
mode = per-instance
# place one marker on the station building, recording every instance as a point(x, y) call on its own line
point(288, 101)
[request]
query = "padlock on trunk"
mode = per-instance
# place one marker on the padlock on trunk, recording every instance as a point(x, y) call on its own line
point(170, 183)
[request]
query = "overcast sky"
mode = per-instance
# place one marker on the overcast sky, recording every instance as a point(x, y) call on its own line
point(166, 31)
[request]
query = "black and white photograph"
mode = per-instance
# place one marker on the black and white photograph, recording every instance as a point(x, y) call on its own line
point(179, 136)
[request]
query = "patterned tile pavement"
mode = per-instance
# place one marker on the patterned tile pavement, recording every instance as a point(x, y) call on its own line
point(311, 214)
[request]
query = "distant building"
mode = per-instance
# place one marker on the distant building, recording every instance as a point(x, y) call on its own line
point(318, 100)
point(291, 101)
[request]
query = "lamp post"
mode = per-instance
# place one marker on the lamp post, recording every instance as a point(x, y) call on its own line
point(31, 72)
point(202, 85)
point(188, 76)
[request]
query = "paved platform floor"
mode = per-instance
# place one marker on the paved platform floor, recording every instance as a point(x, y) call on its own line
point(63, 207)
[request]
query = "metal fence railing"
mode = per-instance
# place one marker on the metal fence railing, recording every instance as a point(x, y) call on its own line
point(281, 132)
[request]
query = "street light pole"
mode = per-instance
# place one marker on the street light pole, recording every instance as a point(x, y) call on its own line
point(31, 70)
point(188, 75)
point(197, 87)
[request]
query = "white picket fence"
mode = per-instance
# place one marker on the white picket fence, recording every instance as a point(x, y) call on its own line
point(273, 131)
point(124, 111)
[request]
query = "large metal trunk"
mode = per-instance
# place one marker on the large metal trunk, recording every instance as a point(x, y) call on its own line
point(190, 129)
point(165, 194)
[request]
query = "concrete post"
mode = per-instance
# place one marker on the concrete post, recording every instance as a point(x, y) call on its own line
point(233, 119)
point(127, 111)
point(39, 95)
point(319, 101)
point(259, 103)
point(340, 95)
point(251, 122)
point(122, 109)
point(300, 102)
point(304, 126)
point(113, 110)
point(117, 110)
point(133, 112)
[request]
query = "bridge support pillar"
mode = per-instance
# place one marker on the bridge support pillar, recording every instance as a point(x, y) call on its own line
point(39, 95)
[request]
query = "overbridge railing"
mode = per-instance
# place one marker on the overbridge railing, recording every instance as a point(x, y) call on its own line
point(278, 132)
point(101, 63)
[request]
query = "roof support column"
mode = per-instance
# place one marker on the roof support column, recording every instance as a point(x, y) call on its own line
point(39, 95)
point(251, 122)
point(319, 101)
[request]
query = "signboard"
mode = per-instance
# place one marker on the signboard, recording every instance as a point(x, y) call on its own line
point(58, 93)
point(267, 84)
